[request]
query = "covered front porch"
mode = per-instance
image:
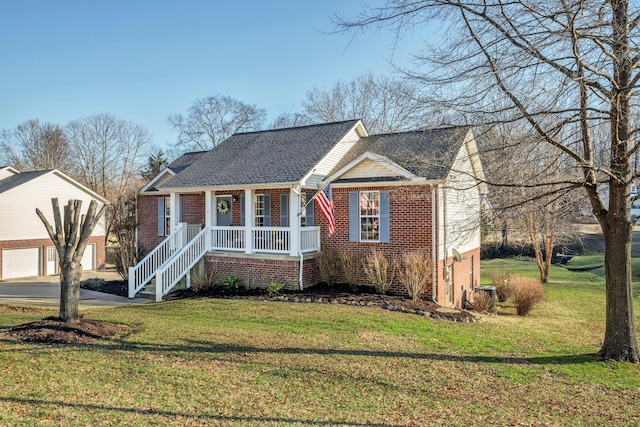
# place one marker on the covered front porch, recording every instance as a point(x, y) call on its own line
point(250, 220)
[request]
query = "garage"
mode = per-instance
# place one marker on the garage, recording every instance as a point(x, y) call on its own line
point(88, 259)
point(22, 262)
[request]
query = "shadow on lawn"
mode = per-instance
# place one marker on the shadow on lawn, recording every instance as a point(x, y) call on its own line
point(209, 347)
point(199, 416)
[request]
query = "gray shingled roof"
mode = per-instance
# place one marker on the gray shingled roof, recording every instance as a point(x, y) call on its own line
point(19, 179)
point(425, 153)
point(182, 162)
point(272, 156)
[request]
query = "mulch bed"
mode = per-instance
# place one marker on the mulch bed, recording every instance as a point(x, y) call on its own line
point(52, 330)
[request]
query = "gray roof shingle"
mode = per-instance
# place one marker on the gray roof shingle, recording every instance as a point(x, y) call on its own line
point(272, 156)
point(18, 179)
point(184, 161)
point(425, 153)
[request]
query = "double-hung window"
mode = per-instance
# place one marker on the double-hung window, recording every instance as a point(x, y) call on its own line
point(259, 210)
point(370, 216)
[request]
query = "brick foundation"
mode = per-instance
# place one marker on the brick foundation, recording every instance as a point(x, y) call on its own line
point(259, 270)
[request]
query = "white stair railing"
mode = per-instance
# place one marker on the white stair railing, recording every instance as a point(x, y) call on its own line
point(142, 273)
point(181, 263)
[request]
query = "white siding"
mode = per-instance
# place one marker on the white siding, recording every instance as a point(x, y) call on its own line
point(18, 207)
point(460, 213)
point(5, 173)
point(332, 158)
point(368, 169)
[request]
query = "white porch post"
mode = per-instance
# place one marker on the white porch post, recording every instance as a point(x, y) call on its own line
point(208, 211)
point(174, 207)
point(249, 220)
point(208, 216)
point(294, 222)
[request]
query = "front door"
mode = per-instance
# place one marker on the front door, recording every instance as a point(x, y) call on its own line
point(223, 211)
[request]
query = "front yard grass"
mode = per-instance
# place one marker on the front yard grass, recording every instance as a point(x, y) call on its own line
point(238, 362)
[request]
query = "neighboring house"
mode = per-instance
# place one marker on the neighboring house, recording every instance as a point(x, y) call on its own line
point(252, 194)
point(25, 247)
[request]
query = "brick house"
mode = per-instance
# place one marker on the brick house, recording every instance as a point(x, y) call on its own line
point(25, 247)
point(245, 207)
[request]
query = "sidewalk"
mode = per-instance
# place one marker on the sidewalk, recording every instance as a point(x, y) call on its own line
point(45, 291)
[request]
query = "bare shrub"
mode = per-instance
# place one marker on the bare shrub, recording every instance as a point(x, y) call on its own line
point(352, 267)
point(381, 270)
point(526, 292)
point(203, 280)
point(500, 280)
point(329, 264)
point(416, 274)
point(482, 302)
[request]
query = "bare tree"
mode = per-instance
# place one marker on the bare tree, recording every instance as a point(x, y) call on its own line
point(384, 104)
point(563, 68)
point(70, 238)
point(212, 119)
point(109, 155)
point(33, 145)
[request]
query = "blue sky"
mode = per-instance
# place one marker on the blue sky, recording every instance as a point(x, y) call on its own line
point(143, 61)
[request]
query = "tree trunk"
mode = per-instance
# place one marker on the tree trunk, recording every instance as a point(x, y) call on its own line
point(620, 342)
point(70, 292)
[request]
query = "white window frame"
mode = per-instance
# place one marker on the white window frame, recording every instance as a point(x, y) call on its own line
point(258, 210)
point(372, 217)
point(167, 215)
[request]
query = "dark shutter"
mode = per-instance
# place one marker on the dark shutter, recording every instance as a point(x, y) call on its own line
point(242, 211)
point(384, 217)
point(161, 220)
point(284, 210)
point(180, 209)
point(354, 216)
point(310, 210)
point(267, 210)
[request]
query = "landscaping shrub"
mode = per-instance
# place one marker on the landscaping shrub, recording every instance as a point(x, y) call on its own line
point(352, 267)
point(93, 283)
point(526, 292)
point(500, 280)
point(381, 270)
point(202, 281)
point(230, 282)
point(274, 287)
point(482, 302)
point(329, 264)
point(416, 274)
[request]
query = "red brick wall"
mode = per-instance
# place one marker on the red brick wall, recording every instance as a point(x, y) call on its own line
point(259, 271)
point(98, 241)
point(463, 282)
point(193, 212)
point(275, 205)
point(410, 223)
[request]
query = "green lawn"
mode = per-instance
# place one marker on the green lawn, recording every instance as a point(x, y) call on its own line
point(234, 362)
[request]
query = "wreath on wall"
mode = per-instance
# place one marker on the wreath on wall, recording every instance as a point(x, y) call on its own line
point(223, 206)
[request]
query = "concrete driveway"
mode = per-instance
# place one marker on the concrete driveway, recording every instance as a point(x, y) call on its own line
point(45, 291)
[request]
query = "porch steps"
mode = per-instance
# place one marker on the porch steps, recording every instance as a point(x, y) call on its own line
point(149, 291)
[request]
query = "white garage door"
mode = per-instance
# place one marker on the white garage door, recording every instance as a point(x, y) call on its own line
point(24, 262)
point(88, 258)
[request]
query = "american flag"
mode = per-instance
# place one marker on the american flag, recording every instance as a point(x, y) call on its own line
point(325, 203)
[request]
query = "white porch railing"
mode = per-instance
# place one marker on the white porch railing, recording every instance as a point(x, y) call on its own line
point(179, 265)
point(192, 231)
point(142, 273)
point(228, 238)
point(309, 239)
point(271, 239)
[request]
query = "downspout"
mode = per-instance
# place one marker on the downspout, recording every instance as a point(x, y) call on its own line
point(434, 246)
